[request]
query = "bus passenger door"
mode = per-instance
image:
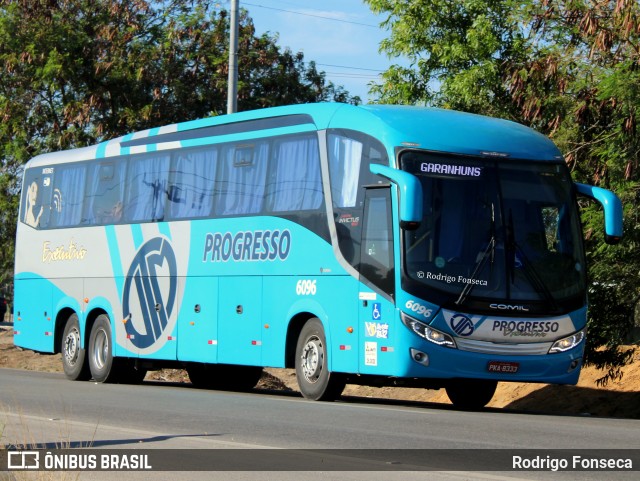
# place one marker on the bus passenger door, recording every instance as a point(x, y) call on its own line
point(240, 320)
point(198, 320)
point(377, 289)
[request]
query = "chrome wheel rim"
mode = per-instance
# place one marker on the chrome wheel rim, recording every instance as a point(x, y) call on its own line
point(312, 358)
point(71, 346)
point(100, 349)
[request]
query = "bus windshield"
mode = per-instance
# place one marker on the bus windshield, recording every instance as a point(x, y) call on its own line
point(495, 232)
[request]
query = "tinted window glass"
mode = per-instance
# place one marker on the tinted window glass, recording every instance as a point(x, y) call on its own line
point(68, 195)
point(345, 158)
point(36, 197)
point(295, 180)
point(147, 185)
point(350, 155)
point(192, 185)
point(241, 183)
point(377, 240)
point(504, 231)
point(104, 198)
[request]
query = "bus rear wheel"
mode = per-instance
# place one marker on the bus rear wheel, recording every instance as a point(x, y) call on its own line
point(312, 369)
point(100, 357)
point(74, 359)
point(471, 394)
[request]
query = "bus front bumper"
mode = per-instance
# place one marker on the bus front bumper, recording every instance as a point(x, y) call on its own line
point(432, 361)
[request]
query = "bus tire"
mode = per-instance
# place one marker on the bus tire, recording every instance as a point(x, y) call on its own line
point(74, 357)
point(471, 394)
point(315, 380)
point(101, 362)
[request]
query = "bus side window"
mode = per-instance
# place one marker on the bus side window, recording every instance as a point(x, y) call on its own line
point(68, 196)
point(104, 198)
point(242, 179)
point(191, 188)
point(36, 198)
point(350, 155)
point(294, 182)
point(344, 163)
point(377, 263)
point(147, 185)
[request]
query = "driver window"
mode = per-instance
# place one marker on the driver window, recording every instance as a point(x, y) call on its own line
point(377, 263)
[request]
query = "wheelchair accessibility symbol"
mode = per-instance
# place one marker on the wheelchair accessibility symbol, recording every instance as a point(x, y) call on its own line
point(376, 312)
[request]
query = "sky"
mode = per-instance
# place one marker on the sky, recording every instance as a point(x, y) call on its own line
point(341, 36)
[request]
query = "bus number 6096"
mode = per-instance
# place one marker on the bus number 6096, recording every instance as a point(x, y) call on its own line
point(306, 287)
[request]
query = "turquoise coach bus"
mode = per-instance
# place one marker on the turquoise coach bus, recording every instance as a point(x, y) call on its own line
point(372, 245)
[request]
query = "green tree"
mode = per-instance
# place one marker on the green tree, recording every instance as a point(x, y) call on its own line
point(568, 68)
point(77, 72)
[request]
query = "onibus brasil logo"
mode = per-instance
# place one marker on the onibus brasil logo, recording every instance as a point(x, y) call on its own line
point(152, 280)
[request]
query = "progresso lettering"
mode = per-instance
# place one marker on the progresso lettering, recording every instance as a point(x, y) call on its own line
point(525, 328)
point(259, 245)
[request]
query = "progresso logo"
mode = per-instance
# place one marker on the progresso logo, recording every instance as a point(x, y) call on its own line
point(461, 325)
point(259, 245)
point(150, 292)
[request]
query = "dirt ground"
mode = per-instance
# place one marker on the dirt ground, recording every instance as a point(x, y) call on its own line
point(618, 399)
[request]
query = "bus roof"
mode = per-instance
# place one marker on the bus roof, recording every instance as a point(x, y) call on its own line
point(396, 126)
point(463, 133)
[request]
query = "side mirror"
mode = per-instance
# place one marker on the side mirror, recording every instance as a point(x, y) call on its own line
point(410, 194)
point(612, 210)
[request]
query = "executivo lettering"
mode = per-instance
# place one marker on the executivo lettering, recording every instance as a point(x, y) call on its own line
point(72, 252)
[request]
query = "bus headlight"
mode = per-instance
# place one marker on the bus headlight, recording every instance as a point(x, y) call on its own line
point(428, 332)
point(569, 342)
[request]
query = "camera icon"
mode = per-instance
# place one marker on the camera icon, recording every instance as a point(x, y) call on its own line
point(21, 460)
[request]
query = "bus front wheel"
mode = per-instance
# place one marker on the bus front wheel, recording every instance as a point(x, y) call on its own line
point(312, 370)
point(74, 360)
point(100, 356)
point(471, 394)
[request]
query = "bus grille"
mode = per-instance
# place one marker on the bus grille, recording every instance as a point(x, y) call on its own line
point(486, 347)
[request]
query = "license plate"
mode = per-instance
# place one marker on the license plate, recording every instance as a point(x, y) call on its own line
point(503, 367)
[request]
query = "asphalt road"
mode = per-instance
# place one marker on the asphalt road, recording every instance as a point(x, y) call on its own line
point(44, 410)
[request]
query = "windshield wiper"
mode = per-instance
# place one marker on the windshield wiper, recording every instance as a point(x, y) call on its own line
point(489, 252)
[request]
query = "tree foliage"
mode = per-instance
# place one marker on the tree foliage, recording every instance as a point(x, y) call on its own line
point(77, 72)
point(568, 68)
